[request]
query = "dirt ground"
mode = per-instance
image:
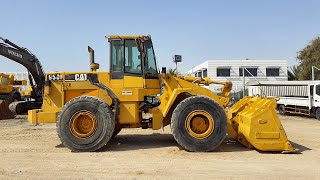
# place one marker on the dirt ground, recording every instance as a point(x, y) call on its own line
point(28, 151)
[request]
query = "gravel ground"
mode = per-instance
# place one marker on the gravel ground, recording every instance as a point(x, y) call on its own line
point(35, 152)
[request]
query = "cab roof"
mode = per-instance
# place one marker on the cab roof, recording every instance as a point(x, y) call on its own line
point(127, 36)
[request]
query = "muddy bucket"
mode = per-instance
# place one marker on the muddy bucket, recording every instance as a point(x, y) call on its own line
point(5, 113)
point(254, 123)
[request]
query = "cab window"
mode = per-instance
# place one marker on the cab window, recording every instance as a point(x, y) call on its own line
point(151, 68)
point(132, 58)
point(116, 56)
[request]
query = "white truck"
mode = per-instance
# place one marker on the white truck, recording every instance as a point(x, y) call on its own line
point(295, 97)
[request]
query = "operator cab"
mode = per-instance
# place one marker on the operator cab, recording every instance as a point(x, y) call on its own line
point(132, 56)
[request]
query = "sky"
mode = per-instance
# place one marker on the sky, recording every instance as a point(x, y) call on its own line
point(58, 32)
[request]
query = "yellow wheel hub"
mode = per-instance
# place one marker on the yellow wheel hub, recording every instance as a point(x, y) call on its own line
point(199, 124)
point(83, 124)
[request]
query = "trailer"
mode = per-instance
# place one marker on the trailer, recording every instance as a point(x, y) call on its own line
point(294, 97)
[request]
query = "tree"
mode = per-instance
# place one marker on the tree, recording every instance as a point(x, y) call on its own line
point(293, 73)
point(308, 57)
point(173, 71)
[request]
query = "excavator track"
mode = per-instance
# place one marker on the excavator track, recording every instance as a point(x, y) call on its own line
point(22, 107)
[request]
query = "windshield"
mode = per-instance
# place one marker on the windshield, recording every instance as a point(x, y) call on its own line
point(151, 68)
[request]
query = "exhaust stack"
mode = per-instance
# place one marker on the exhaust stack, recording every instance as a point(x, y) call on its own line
point(93, 66)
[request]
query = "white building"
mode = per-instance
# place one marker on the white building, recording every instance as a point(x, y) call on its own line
point(231, 70)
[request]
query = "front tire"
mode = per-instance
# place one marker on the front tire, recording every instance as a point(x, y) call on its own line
point(116, 131)
point(198, 123)
point(282, 109)
point(85, 124)
point(318, 113)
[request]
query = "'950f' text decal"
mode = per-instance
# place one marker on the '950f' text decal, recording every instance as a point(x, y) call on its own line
point(54, 77)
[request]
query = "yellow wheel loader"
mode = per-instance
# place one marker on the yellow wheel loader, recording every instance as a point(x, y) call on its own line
point(9, 92)
point(89, 108)
point(9, 88)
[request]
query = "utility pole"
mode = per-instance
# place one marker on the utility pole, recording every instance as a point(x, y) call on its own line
point(244, 82)
point(313, 71)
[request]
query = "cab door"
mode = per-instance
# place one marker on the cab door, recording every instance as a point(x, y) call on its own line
point(125, 64)
point(127, 79)
point(316, 97)
point(133, 75)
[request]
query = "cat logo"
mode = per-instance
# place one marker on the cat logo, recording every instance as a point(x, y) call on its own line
point(80, 77)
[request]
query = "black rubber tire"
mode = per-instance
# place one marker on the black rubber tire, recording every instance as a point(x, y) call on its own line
point(179, 130)
point(317, 114)
point(104, 118)
point(116, 131)
point(16, 97)
point(281, 109)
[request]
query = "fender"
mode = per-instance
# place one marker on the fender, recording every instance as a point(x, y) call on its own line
point(173, 86)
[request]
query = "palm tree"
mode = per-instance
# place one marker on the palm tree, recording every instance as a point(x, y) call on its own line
point(293, 73)
point(173, 72)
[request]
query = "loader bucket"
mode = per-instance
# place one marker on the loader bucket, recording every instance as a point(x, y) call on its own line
point(5, 113)
point(254, 123)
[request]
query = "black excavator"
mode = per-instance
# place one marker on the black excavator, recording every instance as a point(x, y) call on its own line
point(36, 75)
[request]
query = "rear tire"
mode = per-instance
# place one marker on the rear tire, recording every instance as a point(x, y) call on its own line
point(85, 124)
point(317, 113)
point(191, 121)
point(282, 109)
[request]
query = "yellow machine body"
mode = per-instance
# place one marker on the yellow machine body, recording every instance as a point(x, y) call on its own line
point(27, 93)
point(130, 91)
point(9, 92)
point(8, 84)
point(252, 121)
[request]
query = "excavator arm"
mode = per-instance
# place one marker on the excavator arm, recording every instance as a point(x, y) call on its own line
point(24, 57)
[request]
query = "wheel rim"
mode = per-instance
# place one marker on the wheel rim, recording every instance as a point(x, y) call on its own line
point(200, 124)
point(83, 124)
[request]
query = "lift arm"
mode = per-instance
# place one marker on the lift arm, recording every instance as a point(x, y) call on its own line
point(225, 92)
point(24, 57)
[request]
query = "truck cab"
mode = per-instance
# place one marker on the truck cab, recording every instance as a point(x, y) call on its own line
point(314, 94)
